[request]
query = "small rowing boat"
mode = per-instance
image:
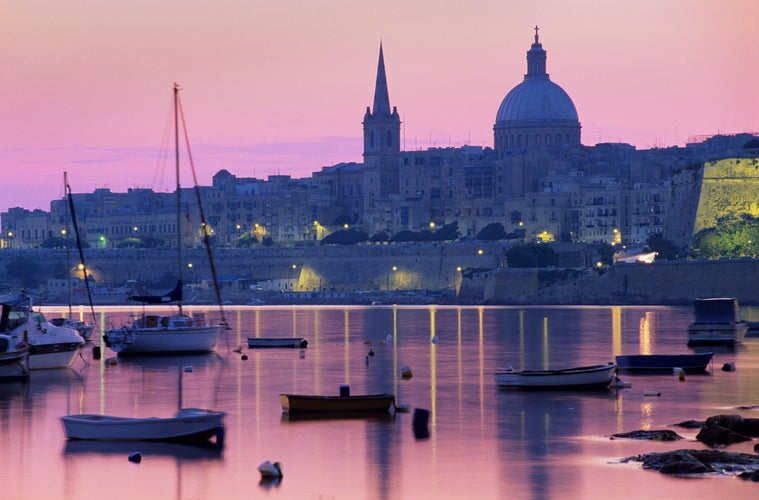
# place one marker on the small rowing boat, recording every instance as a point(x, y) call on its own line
point(580, 377)
point(274, 342)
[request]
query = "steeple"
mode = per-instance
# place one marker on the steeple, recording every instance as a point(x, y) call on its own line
point(381, 98)
point(536, 58)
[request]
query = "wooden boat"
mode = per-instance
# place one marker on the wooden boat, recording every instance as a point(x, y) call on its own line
point(189, 424)
point(14, 359)
point(694, 362)
point(334, 405)
point(580, 377)
point(267, 342)
point(177, 333)
point(716, 321)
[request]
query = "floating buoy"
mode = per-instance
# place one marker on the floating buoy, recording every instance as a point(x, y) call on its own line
point(135, 457)
point(113, 361)
point(96, 352)
point(651, 393)
point(270, 470)
point(244, 357)
point(371, 352)
point(419, 425)
point(728, 367)
point(406, 371)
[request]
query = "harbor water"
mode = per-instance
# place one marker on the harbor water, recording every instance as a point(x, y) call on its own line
point(476, 442)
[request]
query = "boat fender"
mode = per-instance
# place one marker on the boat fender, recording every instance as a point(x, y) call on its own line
point(113, 361)
point(651, 393)
point(728, 367)
point(135, 457)
point(96, 352)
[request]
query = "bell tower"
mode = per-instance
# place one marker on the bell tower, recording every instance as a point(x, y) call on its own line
point(382, 137)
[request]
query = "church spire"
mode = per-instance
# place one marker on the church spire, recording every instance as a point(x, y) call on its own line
point(381, 98)
point(536, 58)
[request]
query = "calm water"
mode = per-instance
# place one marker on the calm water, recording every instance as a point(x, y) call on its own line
point(483, 443)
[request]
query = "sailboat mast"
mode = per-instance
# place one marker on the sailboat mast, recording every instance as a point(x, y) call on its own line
point(68, 247)
point(179, 192)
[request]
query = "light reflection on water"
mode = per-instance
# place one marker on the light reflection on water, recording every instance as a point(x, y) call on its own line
point(482, 441)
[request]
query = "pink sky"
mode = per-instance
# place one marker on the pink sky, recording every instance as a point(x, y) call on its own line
point(281, 87)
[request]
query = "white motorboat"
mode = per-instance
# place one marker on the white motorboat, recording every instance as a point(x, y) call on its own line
point(176, 333)
point(83, 328)
point(50, 346)
point(14, 359)
point(581, 377)
point(189, 424)
point(716, 321)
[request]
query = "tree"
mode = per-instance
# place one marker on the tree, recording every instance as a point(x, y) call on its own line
point(730, 237)
point(380, 237)
point(606, 254)
point(664, 248)
point(404, 236)
point(492, 232)
point(449, 232)
point(345, 237)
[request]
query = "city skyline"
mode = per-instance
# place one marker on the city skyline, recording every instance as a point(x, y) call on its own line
point(268, 90)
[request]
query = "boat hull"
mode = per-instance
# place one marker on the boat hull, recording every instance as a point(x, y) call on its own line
point(716, 333)
point(597, 376)
point(271, 342)
point(187, 425)
point(149, 341)
point(660, 362)
point(51, 356)
point(14, 365)
point(335, 405)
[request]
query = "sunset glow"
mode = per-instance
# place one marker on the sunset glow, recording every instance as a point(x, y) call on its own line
point(281, 87)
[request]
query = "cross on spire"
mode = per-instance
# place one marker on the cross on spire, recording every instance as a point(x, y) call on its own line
point(536, 33)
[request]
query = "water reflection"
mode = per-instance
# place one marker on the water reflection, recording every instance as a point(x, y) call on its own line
point(482, 442)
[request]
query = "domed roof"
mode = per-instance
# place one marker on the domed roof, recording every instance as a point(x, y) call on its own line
point(537, 98)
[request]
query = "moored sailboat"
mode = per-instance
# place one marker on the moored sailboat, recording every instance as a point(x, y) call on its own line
point(176, 333)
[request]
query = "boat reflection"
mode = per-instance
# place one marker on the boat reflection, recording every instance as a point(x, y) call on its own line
point(181, 451)
point(337, 415)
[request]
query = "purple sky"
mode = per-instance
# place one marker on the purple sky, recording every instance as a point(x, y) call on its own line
point(281, 87)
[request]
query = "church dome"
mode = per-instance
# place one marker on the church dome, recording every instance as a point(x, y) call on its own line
point(536, 99)
point(537, 113)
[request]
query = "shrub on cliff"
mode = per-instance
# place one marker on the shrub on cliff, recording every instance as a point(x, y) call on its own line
point(492, 232)
point(345, 237)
